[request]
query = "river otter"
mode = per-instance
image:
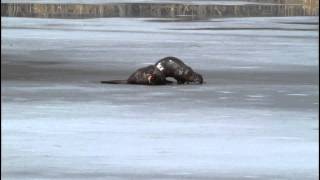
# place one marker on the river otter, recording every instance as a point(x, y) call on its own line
point(174, 67)
point(148, 75)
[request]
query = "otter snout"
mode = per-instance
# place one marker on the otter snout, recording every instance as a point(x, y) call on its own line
point(197, 78)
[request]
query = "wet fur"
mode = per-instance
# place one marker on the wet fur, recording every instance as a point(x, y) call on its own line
point(165, 67)
point(140, 77)
point(176, 68)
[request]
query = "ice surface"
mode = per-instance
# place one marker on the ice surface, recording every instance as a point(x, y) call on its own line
point(255, 118)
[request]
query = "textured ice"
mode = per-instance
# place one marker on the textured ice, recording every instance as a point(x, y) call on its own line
point(245, 122)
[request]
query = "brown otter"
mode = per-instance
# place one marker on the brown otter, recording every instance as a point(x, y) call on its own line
point(148, 75)
point(174, 67)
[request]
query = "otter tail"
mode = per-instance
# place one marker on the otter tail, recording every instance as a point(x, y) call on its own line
point(115, 82)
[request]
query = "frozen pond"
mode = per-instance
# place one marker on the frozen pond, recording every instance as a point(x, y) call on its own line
point(255, 118)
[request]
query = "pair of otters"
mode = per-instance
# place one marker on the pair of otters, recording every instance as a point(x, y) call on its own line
point(156, 74)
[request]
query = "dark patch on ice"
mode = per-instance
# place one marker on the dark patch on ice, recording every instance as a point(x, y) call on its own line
point(42, 63)
point(85, 30)
point(190, 19)
point(249, 28)
point(302, 23)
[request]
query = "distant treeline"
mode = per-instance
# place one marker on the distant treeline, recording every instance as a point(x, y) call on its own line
point(307, 8)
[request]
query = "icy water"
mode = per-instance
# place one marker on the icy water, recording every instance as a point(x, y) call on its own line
point(255, 118)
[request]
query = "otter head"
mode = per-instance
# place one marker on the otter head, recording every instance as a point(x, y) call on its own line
point(154, 79)
point(193, 77)
point(197, 78)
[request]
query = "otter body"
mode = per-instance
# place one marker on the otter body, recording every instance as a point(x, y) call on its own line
point(156, 74)
point(174, 67)
point(148, 75)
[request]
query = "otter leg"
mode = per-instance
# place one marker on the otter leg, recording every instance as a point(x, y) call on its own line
point(180, 81)
point(168, 82)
